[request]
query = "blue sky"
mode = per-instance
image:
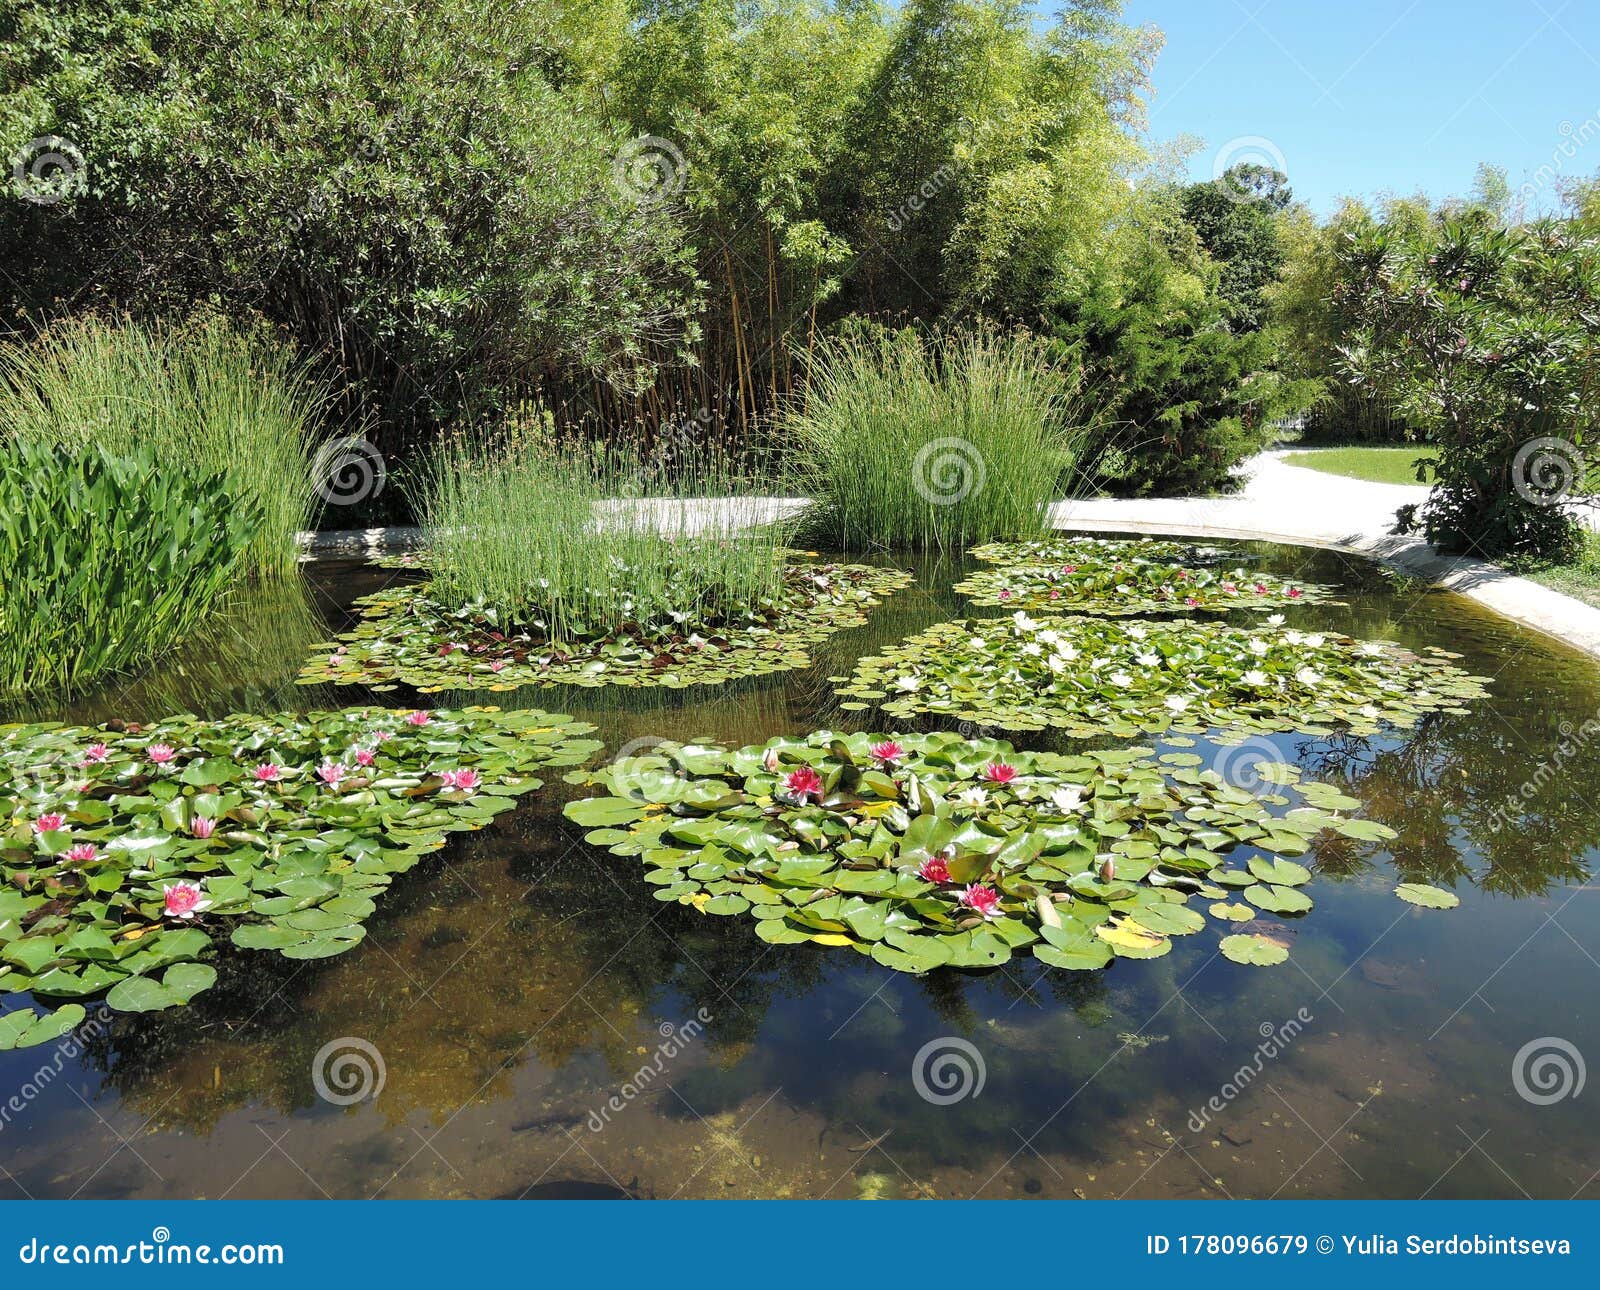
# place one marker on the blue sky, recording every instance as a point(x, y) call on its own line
point(1362, 96)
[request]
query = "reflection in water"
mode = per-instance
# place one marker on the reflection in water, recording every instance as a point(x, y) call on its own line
point(538, 1016)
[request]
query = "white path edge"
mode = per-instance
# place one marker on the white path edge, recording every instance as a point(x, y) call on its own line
point(1276, 503)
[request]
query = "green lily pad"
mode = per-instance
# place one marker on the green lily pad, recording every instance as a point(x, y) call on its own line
point(1420, 893)
point(1255, 951)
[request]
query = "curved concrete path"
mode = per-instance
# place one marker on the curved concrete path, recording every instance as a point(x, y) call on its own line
point(1277, 503)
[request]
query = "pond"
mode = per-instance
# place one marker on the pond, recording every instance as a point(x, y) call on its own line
point(534, 1024)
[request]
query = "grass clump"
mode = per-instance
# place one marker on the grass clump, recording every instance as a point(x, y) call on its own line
point(200, 392)
point(1374, 465)
point(108, 559)
point(906, 442)
point(528, 534)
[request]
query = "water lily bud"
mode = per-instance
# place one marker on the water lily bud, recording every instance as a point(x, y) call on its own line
point(769, 760)
point(1108, 869)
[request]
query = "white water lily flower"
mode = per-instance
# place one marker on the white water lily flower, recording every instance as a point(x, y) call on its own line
point(1259, 647)
point(909, 684)
point(1254, 677)
point(1056, 664)
point(1067, 800)
point(975, 797)
point(1121, 679)
point(1048, 637)
point(1371, 648)
point(1370, 712)
point(1294, 638)
point(1023, 622)
point(1067, 652)
point(1032, 649)
point(1315, 640)
point(1308, 676)
point(1275, 620)
point(1177, 702)
point(1136, 632)
point(1148, 659)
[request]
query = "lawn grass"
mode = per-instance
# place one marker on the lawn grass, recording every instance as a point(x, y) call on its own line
point(1375, 465)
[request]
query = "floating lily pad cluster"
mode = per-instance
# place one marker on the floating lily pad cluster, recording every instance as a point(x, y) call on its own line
point(126, 850)
point(406, 637)
point(933, 850)
point(1095, 576)
point(1121, 677)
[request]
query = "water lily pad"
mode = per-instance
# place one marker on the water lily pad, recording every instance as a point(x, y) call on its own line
point(1083, 676)
point(274, 831)
point(406, 636)
point(1231, 913)
point(1255, 951)
point(26, 1028)
point(1420, 893)
point(933, 850)
point(1105, 577)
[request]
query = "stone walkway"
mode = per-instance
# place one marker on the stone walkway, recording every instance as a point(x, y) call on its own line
point(1278, 503)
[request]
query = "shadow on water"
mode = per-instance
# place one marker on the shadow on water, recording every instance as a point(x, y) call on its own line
point(535, 1024)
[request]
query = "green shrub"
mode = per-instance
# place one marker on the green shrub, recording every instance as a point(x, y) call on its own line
point(931, 445)
point(108, 560)
point(229, 402)
point(525, 533)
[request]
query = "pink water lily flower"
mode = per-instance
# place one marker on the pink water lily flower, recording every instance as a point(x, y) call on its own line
point(1191, 602)
point(94, 754)
point(161, 754)
point(934, 869)
point(982, 900)
point(380, 736)
point(462, 781)
point(497, 665)
point(183, 900)
point(1069, 568)
point(331, 772)
point(1230, 587)
point(1260, 589)
point(1055, 595)
point(51, 822)
point(83, 853)
point(803, 783)
point(268, 773)
point(1294, 593)
point(997, 772)
point(888, 752)
point(365, 757)
point(202, 827)
point(419, 718)
point(1004, 594)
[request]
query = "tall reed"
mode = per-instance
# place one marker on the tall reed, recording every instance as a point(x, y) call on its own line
point(199, 393)
point(563, 540)
point(909, 442)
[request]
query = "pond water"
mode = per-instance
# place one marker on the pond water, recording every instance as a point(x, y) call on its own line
point(546, 1029)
